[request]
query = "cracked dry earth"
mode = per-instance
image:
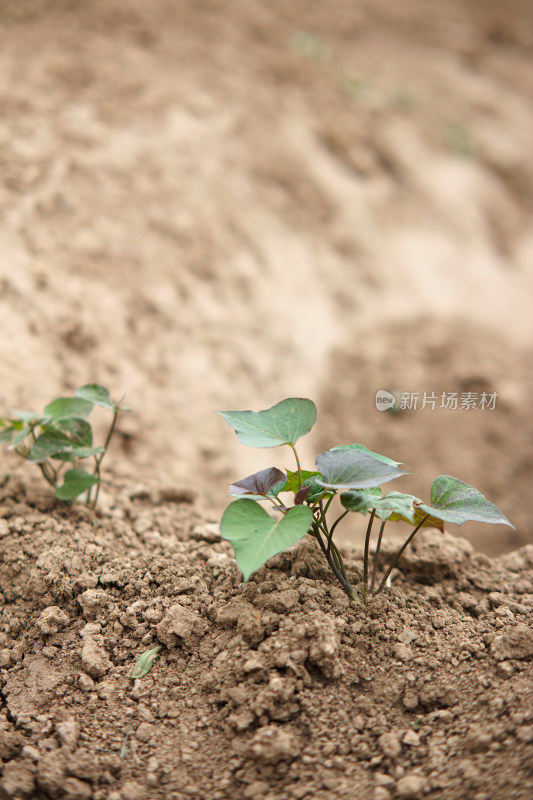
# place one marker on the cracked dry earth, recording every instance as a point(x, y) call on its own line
point(279, 689)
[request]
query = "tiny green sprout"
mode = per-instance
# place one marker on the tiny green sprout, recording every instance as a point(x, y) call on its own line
point(144, 663)
point(62, 436)
point(352, 473)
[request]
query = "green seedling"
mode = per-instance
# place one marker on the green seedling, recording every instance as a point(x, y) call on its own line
point(459, 139)
point(310, 45)
point(352, 473)
point(61, 436)
point(144, 663)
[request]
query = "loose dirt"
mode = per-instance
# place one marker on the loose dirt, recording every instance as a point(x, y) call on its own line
point(279, 688)
point(209, 206)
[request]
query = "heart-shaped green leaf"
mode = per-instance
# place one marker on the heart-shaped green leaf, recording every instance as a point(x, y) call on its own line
point(96, 394)
point(64, 407)
point(7, 429)
point(421, 517)
point(75, 483)
point(76, 452)
point(28, 416)
point(78, 431)
point(384, 506)
point(354, 469)
point(284, 423)
point(256, 536)
point(396, 503)
point(358, 500)
point(364, 449)
point(361, 500)
point(453, 500)
point(49, 444)
point(72, 437)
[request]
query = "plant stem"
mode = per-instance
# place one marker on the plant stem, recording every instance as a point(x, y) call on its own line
point(318, 500)
point(298, 465)
point(90, 489)
point(399, 554)
point(48, 473)
point(331, 550)
point(376, 557)
point(365, 557)
point(276, 503)
point(348, 588)
point(99, 459)
point(321, 521)
point(338, 558)
point(332, 531)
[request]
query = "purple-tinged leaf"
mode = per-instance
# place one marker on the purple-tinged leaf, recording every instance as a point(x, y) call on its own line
point(262, 483)
point(302, 495)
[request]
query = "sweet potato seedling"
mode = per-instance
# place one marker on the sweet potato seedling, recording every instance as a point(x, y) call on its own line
point(62, 436)
point(351, 472)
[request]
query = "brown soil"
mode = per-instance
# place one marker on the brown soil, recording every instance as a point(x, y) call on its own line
point(281, 688)
point(212, 206)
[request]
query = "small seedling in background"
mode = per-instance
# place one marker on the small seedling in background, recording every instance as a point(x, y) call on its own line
point(60, 436)
point(401, 99)
point(310, 44)
point(351, 472)
point(358, 89)
point(459, 139)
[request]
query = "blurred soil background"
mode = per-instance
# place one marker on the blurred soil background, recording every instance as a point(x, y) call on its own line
point(210, 205)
